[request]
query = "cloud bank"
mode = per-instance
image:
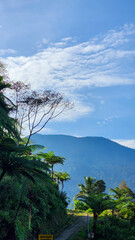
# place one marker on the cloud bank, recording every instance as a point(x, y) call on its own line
point(126, 143)
point(68, 66)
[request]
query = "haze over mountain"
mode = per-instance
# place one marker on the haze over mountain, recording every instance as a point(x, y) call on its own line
point(91, 156)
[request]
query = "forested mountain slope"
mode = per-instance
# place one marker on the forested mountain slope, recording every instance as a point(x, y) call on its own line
point(91, 156)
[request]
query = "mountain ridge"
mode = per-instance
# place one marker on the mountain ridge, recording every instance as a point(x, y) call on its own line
point(98, 157)
point(86, 137)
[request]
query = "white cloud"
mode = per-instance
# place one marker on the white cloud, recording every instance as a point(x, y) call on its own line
point(68, 66)
point(43, 131)
point(61, 44)
point(7, 51)
point(128, 143)
point(114, 38)
point(86, 64)
point(45, 41)
point(42, 43)
point(107, 120)
point(79, 109)
point(67, 39)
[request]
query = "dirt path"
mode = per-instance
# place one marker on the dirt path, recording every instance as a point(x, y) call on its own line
point(72, 230)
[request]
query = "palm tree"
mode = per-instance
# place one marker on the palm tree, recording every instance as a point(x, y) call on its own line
point(52, 160)
point(62, 177)
point(92, 195)
point(98, 203)
point(91, 185)
point(15, 161)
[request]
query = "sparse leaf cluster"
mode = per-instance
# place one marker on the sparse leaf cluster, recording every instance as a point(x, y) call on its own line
point(34, 109)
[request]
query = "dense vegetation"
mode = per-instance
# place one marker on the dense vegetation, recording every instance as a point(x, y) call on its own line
point(113, 215)
point(31, 202)
point(109, 228)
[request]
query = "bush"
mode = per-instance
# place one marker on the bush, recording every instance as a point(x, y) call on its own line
point(114, 228)
point(78, 205)
point(31, 210)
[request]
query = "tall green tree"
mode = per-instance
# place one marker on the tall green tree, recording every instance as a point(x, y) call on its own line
point(93, 196)
point(62, 177)
point(124, 201)
point(52, 160)
point(15, 161)
point(91, 185)
point(98, 203)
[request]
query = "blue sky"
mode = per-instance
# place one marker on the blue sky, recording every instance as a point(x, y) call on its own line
point(84, 49)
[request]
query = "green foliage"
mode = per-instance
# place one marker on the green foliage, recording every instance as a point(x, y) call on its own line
point(7, 124)
point(92, 186)
point(30, 202)
point(97, 202)
point(124, 201)
point(12, 195)
point(121, 203)
point(106, 213)
point(92, 196)
point(114, 228)
point(81, 235)
point(42, 201)
point(51, 159)
point(61, 177)
point(16, 161)
point(109, 228)
point(79, 205)
point(33, 208)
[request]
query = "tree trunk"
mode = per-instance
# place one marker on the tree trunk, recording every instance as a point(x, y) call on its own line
point(95, 224)
point(52, 171)
point(58, 183)
point(30, 217)
point(28, 140)
point(2, 174)
point(62, 185)
point(11, 233)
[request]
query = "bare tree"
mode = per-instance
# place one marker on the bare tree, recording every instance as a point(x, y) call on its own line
point(35, 108)
point(19, 94)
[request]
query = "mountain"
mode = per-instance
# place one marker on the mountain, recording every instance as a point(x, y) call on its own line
point(91, 156)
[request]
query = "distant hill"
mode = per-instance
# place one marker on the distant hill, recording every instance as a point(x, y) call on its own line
point(91, 156)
